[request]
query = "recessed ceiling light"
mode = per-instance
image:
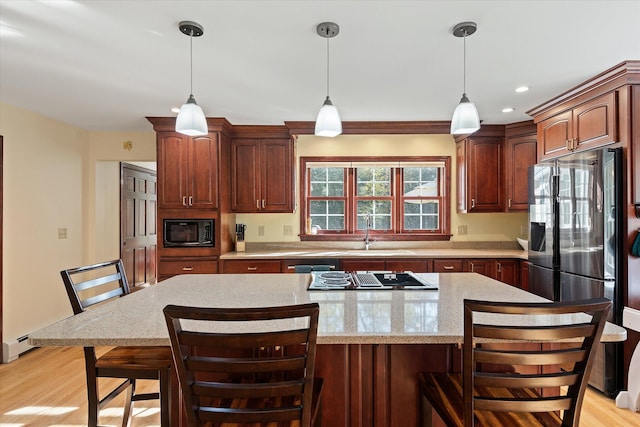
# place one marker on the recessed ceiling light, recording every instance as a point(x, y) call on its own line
point(175, 110)
point(508, 109)
point(521, 89)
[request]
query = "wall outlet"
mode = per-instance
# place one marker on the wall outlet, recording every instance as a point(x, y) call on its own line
point(287, 230)
point(462, 229)
point(261, 230)
point(62, 233)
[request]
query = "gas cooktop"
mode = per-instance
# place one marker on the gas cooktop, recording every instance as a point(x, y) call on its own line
point(368, 280)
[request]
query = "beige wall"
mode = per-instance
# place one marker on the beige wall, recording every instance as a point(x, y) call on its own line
point(54, 177)
point(480, 227)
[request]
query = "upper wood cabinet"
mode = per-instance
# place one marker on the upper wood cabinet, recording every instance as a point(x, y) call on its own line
point(480, 169)
point(588, 125)
point(520, 153)
point(262, 175)
point(187, 171)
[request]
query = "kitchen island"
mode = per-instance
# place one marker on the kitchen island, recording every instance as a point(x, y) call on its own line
point(371, 343)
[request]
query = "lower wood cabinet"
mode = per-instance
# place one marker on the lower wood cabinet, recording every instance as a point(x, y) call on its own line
point(251, 266)
point(415, 265)
point(356, 264)
point(174, 266)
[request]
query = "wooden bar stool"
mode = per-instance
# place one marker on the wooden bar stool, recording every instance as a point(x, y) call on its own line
point(503, 397)
point(96, 284)
point(238, 366)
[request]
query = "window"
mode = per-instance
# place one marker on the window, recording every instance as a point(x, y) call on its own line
point(394, 198)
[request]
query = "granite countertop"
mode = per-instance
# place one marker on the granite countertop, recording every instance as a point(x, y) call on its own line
point(283, 253)
point(346, 317)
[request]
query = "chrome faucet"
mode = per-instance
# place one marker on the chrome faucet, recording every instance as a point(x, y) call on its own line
point(367, 243)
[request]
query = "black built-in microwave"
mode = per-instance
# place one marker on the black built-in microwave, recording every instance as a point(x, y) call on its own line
point(188, 232)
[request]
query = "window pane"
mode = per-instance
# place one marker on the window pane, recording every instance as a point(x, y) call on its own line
point(421, 215)
point(374, 181)
point(326, 182)
point(327, 214)
point(420, 182)
point(379, 211)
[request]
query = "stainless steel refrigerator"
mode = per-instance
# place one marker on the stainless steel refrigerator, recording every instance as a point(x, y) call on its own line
point(574, 240)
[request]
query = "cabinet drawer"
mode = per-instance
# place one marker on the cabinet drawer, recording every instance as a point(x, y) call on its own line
point(363, 264)
point(415, 265)
point(448, 265)
point(245, 266)
point(166, 268)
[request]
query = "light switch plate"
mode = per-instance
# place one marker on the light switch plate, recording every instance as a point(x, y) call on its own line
point(62, 233)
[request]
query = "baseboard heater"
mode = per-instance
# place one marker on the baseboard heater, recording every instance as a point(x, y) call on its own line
point(13, 349)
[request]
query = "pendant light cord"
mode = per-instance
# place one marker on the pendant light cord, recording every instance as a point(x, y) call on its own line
point(327, 63)
point(464, 62)
point(191, 61)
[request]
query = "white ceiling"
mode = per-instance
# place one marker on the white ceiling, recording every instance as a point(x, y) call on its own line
point(105, 65)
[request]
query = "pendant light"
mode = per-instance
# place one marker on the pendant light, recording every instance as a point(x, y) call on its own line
point(328, 122)
point(191, 119)
point(465, 117)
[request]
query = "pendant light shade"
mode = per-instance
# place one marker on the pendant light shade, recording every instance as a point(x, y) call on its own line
point(191, 119)
point(465, 117)
point(328, 122)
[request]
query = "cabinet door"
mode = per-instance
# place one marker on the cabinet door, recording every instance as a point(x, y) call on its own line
point(553, 135)
point(480, 266)
point(461, 173)
point(448, 265)
point(594, 122)
point(524, 275)
point(172, 170)
point(508, 271)
point(245, 179)
point(485, 189)
point(520, 154)
point(276, 175)
point(203, 172)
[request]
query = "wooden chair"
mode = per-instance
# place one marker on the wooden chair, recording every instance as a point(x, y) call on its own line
point(96, 284)
point(246, 365)
point(550, 393)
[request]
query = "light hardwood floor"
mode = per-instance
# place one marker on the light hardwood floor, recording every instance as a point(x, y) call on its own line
point(46, 387)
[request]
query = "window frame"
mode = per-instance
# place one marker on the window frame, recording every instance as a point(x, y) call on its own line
point(350, 232)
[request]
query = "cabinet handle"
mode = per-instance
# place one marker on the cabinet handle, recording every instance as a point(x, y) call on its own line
point(252, 268)
point(448, 267)
point(567, 144)
point(258, 204)
point(184, 200)
point(509, 202)
point(190, 200)
point(574, 143)
point(263, 203)
point(473, 203)
point(187, 268)
point(291, 267)
point(471, 265)
point(499, 268)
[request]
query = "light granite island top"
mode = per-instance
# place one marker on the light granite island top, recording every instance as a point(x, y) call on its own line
point(346, 317)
